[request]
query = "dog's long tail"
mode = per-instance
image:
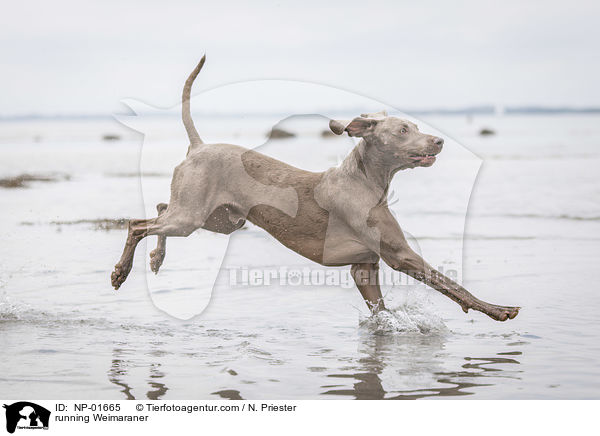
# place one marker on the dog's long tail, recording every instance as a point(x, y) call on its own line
point(186, 113)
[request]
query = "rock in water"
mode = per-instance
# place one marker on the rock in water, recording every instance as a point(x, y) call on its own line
point(280, 134)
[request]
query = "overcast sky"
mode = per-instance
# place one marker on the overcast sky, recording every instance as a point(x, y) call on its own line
point(72, 56)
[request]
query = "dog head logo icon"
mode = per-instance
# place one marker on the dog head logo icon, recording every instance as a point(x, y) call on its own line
point(26, 415)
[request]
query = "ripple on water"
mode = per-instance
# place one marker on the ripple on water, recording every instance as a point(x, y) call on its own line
point(22, 314)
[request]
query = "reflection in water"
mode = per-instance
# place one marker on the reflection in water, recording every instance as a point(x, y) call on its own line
point(412, 357)
point(119, 371)
point(116, 373)
point(408, 366)
point(160, 388)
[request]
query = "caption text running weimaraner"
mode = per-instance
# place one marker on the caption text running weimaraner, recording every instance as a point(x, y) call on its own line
point(337, 217)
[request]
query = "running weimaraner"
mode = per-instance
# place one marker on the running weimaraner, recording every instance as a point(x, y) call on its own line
point(337, 217)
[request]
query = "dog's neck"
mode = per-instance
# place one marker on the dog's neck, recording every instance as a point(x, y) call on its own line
point(367, 162)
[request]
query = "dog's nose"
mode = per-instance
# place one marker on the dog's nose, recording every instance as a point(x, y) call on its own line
point(439, 142)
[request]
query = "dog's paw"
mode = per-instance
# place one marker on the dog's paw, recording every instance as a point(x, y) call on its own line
point(502, 313)
point(118, 276)
point(156, 259)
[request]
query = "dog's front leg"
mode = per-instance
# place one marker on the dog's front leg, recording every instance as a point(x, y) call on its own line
point(396, 252)
point(366, 277)
point(408, 262)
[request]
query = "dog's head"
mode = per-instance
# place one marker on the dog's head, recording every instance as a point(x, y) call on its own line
point(397, 139)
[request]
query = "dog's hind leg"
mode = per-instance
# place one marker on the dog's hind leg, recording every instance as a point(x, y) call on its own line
point(158, 254)
point(137, 230)
point(165, 225)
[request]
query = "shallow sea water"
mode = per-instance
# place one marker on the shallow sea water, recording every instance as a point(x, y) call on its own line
point(531, 239)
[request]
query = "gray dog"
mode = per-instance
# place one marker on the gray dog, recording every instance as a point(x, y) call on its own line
point(337, 217)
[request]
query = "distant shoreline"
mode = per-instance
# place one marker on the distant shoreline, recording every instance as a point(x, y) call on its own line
point(469, 111)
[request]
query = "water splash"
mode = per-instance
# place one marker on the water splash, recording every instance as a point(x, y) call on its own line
point(11, 311)
point(408, 317)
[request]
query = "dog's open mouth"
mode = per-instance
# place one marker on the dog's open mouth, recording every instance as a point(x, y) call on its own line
point(424, 158)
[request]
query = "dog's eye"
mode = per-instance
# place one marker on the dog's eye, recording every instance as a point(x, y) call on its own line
point(404, 130)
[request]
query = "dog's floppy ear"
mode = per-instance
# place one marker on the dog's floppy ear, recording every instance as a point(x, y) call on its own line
point(359, 126)
point(338, 126)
